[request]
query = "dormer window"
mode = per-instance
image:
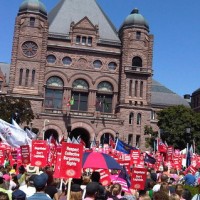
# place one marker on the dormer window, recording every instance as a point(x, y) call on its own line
point(84, 40)
point(32, 21)
point(90, 41)
point(78, 39)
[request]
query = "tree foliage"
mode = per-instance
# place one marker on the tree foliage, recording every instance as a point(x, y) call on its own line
point(17, 108)
point(174, 121)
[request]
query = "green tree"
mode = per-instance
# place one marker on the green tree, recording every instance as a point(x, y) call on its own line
point(10, 106)
point(174, 121)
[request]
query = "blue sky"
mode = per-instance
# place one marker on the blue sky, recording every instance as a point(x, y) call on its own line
point(175, 25)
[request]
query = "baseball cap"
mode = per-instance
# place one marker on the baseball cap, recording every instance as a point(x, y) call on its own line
point(39, 181)
point(92, 188)
point(18, 195)
point(76, 188)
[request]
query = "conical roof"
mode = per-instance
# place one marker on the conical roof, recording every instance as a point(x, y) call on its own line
point(68, 11)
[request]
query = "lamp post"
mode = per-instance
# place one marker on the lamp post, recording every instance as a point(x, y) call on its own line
point(69, 125)
point(188, 136)
point(44, 126)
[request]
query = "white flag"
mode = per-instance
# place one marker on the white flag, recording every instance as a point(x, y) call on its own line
point(30, 134)
point(74, 141)
point(69, 140)
point(14, 123)
point(15, 137)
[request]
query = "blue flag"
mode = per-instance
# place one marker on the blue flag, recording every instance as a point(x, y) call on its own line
point(124, 175)
point(149, 159)
point(123, 147)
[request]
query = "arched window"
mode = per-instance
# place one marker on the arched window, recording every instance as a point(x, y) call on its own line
point(27, 76)
point(104, 97)
point(141, 89)
point(80, 94)
point(33, 78)
point(54, 93)
point(131, 115)
point(139, 118)
point(137, 62)
point(20, 76)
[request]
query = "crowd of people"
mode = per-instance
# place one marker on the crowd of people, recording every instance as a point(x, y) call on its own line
point(32, 183)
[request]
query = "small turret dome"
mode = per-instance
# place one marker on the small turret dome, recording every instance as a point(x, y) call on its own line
point(135, 19)
point(32, 6)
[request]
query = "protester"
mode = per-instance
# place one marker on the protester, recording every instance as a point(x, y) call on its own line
point(3, 189)
point(91, 190)
point(115, 191)
point(51, 189)
point(75, 192)
point(18, 195)
point(40, 182)
point(22, 175)
point(4, 196)
point(29, 188)
point(189, 179)
point(186, 195)
point(63, 194)
point(160, 195)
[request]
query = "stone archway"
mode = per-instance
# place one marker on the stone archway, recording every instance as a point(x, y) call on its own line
point(82, 134)
point(50, 132)
point(105, 138)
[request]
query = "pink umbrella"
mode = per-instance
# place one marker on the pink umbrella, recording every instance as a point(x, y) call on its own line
point(122, 182)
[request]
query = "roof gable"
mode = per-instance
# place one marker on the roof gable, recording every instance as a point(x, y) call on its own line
point(68, 11)
point(84, 23)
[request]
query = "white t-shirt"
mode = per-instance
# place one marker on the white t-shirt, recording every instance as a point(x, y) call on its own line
point(28, 190)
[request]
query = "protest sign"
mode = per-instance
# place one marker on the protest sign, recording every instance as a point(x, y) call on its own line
point(135, 157)
point(138, 178)
point(39, 153)
point(71, 160)
point(25, 154)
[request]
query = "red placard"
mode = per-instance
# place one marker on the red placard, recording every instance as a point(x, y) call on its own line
point(138, 178)
point(170, 151)
point(2, 156)
point(135, 157)
point(25, 154)
point(104, 176)
point(71, 160)
point(39, 153)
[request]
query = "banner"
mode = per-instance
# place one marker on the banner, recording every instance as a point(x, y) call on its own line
point(71, 160)
point(161, 146)
point(39, 153)
point(25, 154)
point(138, 178)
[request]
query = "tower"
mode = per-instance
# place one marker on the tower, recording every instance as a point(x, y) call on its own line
point(135, 78)
point(137, 50)
point(29, 49)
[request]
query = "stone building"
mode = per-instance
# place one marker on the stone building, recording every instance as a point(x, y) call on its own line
point(83, 77)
